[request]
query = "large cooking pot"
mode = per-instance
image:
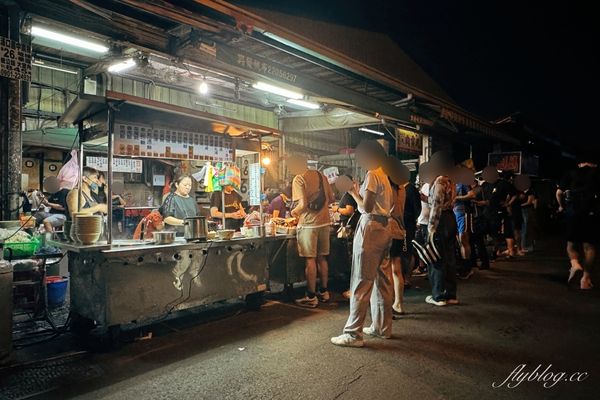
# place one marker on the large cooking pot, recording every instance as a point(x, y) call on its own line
point(195, 228)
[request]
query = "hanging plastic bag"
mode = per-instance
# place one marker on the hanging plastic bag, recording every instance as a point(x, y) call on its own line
point(68, 176)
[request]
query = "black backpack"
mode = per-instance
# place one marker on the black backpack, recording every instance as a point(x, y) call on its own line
point(318, 202)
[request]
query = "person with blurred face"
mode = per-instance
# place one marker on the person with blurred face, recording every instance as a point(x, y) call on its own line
point(313, 232)
point(180, 205)
point(442, 232)
point(87, 203)
point(463, 214)
point(371, 281)
point(56, 201)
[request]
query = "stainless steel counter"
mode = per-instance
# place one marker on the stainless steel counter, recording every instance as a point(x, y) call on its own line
point(137, 284)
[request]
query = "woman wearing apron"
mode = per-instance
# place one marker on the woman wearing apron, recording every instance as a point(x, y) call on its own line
point(371, 280)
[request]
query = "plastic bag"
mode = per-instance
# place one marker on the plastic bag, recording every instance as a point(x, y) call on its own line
point(68, 176)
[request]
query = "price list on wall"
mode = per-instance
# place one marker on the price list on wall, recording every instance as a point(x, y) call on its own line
point(15, 59)
point(119, 164)
point(254, 184)
point(147, 141)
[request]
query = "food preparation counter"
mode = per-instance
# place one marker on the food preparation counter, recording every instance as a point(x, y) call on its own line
point(137, 284)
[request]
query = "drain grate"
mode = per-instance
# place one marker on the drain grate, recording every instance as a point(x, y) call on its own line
point(26, 381)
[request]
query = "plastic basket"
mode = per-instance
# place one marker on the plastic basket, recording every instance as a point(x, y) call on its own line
point(21, 249)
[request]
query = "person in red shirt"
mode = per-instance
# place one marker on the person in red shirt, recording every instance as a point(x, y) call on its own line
point(150, 223)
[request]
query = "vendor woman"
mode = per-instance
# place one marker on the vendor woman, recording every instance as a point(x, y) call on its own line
point(179, 205)
point(234, 211)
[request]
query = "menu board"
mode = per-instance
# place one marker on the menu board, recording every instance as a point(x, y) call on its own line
point(119, 164)
point(254, 184)
point(147, 141)
point(15, 59)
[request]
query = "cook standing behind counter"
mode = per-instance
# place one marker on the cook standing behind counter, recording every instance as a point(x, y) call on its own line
point(179, 205)
point(234, 211)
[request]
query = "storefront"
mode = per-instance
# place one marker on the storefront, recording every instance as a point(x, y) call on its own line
point(157, 91)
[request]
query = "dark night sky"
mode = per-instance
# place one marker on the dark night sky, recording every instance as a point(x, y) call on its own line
point(492, 57)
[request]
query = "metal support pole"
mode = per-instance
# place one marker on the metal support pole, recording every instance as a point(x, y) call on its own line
point(262, 186)
point(80, 183)
point(109, 126)
point(10, 124)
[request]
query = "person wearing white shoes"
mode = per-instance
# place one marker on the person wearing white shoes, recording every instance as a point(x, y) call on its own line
point(371, 281)
point(578, 195)
point(442, 233)
point(312, 194)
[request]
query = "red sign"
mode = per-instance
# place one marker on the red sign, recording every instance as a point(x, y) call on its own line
point(510, 161)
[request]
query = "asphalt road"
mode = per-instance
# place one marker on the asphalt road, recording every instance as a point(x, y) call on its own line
point(520, 312)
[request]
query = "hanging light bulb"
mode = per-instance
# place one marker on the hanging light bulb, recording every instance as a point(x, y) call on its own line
point(203, 88)
point(266, 161)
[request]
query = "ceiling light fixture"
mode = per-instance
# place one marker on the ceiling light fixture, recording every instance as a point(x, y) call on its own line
point(66, 39)
point(371, 131)
point(203, 88)
point(278, 90)
point(42, 65)
point(122, 66)
point(306, 104)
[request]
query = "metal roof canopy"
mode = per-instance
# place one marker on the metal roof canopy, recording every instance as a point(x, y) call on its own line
point(86, 107)
point(334, 74)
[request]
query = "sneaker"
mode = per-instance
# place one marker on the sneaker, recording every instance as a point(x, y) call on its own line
point(347, 294)
point(465, 275)
point(452, 302)
point(430, 300)
point(575, 275)
point(347, 340)
point(371, 332)
point(324, 297)
point(308, 302)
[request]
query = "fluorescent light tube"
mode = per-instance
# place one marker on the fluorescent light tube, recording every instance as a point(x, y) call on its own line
point(277, 90)
point(68, 71)
point(306, 104)
point(122, 65)
point(73, 41)
point(371, 131)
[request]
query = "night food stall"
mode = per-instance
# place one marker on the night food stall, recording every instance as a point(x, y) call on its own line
point(117, 283)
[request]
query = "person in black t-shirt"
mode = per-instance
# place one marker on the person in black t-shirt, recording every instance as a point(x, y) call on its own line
point(579, 196)
point(503, 196)
point(347, 208)
point(56, 201)
point(234, 211)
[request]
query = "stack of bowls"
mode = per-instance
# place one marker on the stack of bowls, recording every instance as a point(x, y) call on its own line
point(87, 228)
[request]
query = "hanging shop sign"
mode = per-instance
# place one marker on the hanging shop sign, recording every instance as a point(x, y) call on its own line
point(15, 60)
point(254, 184)
point(256, 64)
point(119, 164)
point(471, 123)
point(417, 119)
point(508, 161)
point(153, 142)
point(408, 141)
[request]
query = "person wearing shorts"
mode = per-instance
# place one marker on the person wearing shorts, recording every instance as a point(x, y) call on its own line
point(579, 196)
point(56, 202)
point(313, 232)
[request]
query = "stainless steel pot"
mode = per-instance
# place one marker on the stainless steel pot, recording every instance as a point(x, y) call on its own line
point(195, 228)
point(164, 237)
